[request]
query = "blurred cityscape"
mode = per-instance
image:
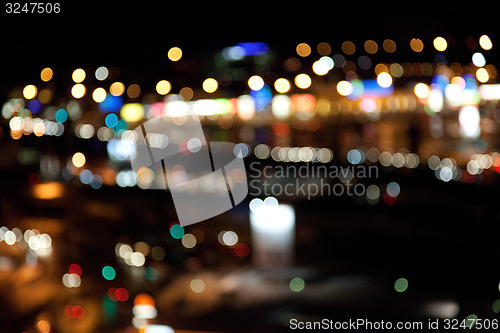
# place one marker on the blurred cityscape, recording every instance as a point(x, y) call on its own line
point(408, 122)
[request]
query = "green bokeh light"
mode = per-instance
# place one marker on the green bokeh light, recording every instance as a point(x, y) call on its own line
point(177, 231)
point(108, 273)
point(401, 285)
point(297, 284)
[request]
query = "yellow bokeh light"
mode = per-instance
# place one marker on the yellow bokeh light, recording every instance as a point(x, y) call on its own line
point(46, 74)
point(163, 87)
point(210, 85)
point(348, 47)
point(482, 75)
point(78, 160)
point(99, 95)
point(320, 67)
point(132, 112)
point(303, 81)
point(344, 88)
point(416, 45)
point(303, 49)
point(78, 90)
point(440, 44)
point(174, 54)
point(384, 80)
point(324, 48)
point(255, 83)
point(282, 85)
point(30, 91)
point(48, 191)
point(78, 75)
point(117, 89)
point(485, 42)
point(421, 90)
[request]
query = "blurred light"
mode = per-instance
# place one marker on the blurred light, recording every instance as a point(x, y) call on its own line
point(440, 44)
point(229, 238)
point(281, 129)
point(303, 49)
point(297, 284)
point(421, 90)
point(281, 106)
point(30, 91)
point(344, 88)
point(482, 75)
point(78, 75)
point(416, 45)
point(348, 47)
point(121, 150)
point(188, 241)
point(255, 82)
point(158, 253)
point(282, 85)
point(324, 48)
point(489, 92)
point(61, 115)
point(177, 231)
point(101, 73)
point(99, 95)
point(384, 80)
point(233, 53)
point(122, 294)
point(210, 85)
point(108, 273)
point(174, 54)
point(46, 74)
point(469, 120)
point(197, 286)
point(158, 329)
point(186, 93)
point(245, 107)
point(371, 47)
point(373, 192)
point(320, 67)
point(478, 59)
point(48, 191)
point(78, 160)
point(134, 90)
point(485, 42)
point(163, 87)
point(117, 89)
point(43, 326)
point(254, 48)
point(71, 280)
point(393, 189)
point(78, 90)
point(389, 46)
point(401, 285)
point(137, 259)
point(303, 81)
point(132, 112)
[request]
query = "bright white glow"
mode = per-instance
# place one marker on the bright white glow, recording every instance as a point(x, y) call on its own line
point(246, 107)
point(478, 59)
point(384, 80)
point(421, 90)
point(272, 219)
point(488, 92)
point(158, 329)
point(177, 108)
point(469, 119)
point(281, 106)
point(320, 67)
point(256, 83)
point(145, 311)
point(137, 259)
point(435, 100)
point(205, 107)
point(230, 238)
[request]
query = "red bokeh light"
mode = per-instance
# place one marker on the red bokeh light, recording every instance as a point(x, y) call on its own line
point(75, 269)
